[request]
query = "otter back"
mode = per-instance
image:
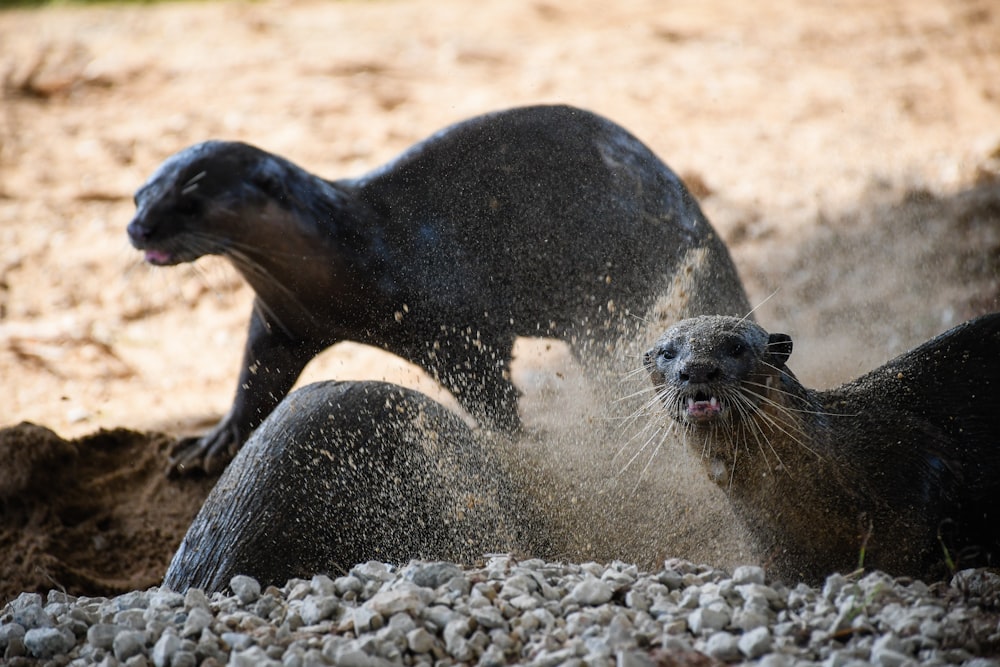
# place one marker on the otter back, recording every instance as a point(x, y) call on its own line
point(538, 221)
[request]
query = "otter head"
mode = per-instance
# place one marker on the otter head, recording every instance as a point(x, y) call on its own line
point(715, 370)
point(195, 202)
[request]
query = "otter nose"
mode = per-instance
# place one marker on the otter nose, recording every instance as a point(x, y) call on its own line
point(699, 372)
point(137, 232)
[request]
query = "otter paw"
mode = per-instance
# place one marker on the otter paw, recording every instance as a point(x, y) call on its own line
point(208, 454)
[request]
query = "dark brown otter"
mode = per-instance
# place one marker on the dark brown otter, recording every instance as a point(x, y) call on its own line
point(899, 469)
point(345, 472)
point(539, 221)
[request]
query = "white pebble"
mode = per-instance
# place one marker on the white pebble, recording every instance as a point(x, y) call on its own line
point(247, 589)
point(165, 647)
point(755, 643)
point(420, 641)
point(128, 643)
point(723, 646)
point(316, 608)
point(48, 642)
point(703, 621)
point(591, 592)
point(748, 574)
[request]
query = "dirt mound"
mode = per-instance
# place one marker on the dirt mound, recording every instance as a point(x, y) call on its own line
point(92, 516)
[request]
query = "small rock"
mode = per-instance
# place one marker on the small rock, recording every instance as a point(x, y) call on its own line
point(394, 601)
point(366, 620)
point(323, 585)
point(101, 635)
point(488, 617)
point(197, 620)
point(748, 574)
point(454, 638)
point(165, 648)
point(434, 575)
point(723, 646)
point(195, 598)
point(236, 641)
point(591, 592)
point(128, 643)
point(704, 621)
point(252, 657)
point(316, 608)
point(10, 631)
point(348, 584)
point(247, 589)
point(48, 642)
point(755, 643)
point(420, 641)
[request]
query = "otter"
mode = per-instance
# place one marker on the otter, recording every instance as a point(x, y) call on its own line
point(897, 470)
point(344, 472)
point(536, 221)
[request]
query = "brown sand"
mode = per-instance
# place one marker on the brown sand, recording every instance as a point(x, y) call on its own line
point(848, 152)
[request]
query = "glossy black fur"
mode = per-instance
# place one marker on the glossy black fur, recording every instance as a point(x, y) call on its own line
point(342, 473)
point(539, 221)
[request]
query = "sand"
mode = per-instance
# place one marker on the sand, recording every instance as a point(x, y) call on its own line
point(848, 153)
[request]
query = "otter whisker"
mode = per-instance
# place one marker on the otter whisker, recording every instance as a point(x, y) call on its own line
point(652, 456)
point(641, 449)
point(650, 425)
point(636, 372)
point(765, 300)
point(799, 398)
point(652, 406)
point(636, 394)
point(260, 270)
point(756, 429)
point(781, 426)
point(193, 181)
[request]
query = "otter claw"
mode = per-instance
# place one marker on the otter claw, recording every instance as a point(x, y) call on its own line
point(208, 454)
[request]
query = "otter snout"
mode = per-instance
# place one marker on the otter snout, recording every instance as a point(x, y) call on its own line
point(138, 234)
point(698, 372)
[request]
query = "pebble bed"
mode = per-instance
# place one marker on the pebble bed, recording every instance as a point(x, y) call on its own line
point(519, 612)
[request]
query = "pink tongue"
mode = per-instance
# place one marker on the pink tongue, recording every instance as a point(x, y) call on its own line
point(157, 257)
point(703, 409)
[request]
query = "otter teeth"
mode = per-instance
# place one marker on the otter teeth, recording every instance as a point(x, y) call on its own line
point(713, 401)
point(703, 409)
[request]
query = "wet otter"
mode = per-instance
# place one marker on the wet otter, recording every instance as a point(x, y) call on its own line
point(537, 221)
point(344, 472)
point(900, 467)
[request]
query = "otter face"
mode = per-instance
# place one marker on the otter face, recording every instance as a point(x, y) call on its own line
point(714, 370)
point(192, 205)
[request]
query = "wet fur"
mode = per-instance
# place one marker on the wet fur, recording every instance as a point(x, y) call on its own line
point(345, 472)
point(540, 221)
point(901, 466)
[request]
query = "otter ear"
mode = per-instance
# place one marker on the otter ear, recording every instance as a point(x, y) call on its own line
point(779, 348)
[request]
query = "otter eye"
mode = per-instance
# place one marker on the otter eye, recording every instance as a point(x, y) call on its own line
point(667, 353)
point(737, 349)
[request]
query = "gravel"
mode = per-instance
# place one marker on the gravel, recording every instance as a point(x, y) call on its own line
point(525, 612)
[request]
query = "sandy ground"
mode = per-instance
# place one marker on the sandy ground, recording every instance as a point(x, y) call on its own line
point(848, 152)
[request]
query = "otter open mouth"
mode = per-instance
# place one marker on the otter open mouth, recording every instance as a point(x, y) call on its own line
point(702, 408)
point(159, 257)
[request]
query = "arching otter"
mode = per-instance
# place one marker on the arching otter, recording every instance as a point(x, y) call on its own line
point(900, 468)
point(540, 221)
point(344, 472)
